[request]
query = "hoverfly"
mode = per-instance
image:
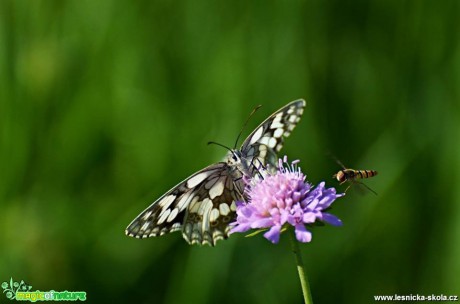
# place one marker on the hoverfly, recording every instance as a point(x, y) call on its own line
point(352, 176)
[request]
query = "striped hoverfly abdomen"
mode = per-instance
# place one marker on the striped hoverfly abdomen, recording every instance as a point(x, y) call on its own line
point(350, 174)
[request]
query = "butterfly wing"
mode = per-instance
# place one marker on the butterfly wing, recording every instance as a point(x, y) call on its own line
point(201, 206)
point(263, 144)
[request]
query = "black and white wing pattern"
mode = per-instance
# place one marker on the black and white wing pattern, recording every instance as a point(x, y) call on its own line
point(203, 205)
point(263, 144)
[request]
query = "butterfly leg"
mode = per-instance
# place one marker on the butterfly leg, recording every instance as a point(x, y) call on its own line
point(257, 168)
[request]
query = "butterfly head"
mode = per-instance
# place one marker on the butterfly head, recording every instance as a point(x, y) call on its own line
point(233, 157)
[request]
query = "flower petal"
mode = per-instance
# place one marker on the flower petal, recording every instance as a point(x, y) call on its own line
point(309, 217)
point(240, 228)
point(273, 235)
point(331, 219)
point(302, 234)
point(262, 223)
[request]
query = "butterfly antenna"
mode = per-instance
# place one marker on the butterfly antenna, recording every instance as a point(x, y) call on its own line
point(246, 122)
point(221, 145)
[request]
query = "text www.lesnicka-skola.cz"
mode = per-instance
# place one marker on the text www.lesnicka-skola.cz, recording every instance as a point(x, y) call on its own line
point(416, 297)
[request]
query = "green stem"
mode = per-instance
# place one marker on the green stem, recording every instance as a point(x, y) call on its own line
point(301, 269)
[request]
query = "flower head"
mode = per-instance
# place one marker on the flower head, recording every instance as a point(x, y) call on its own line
point(4, 285)
point(285, 198)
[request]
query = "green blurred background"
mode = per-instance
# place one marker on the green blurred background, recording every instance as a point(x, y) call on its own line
point(104, 105)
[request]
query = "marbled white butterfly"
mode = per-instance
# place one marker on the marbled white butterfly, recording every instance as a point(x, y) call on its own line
point(203, 205)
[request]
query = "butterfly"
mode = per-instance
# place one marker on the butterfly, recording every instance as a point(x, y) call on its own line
point(203, 205)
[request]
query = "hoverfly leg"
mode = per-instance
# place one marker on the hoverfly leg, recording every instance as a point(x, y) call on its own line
point(347, 187)
point(368, 188)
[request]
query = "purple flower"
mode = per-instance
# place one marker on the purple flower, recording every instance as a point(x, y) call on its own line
point(285, 198)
